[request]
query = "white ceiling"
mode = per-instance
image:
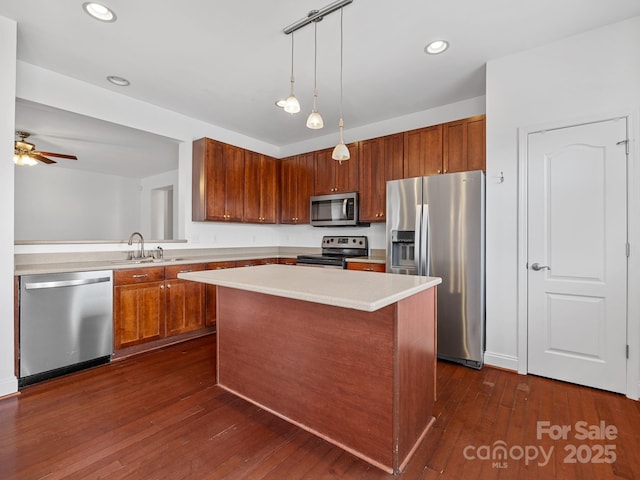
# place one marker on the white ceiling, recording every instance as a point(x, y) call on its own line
point(100, 146)
point(226, 63)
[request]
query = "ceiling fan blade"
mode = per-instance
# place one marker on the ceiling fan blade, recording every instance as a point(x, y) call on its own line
point(39, 157)
point(59, 155)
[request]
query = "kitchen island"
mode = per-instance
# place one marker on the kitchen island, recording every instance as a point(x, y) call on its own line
point(347, 355)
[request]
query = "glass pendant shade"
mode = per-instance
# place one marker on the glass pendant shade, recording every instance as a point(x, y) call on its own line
point(314, 120)
point(291, 104)
point(24, 160)
point(341, 152)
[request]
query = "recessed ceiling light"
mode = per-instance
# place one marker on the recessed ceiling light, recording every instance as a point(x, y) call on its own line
point(119, 81)
point(99, 11)
point(436, 47)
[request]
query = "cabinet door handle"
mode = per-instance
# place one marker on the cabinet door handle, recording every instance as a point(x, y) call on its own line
point(185, 271)
point(143, 275)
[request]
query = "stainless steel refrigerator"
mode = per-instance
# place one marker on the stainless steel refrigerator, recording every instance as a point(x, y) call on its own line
point(435, 227)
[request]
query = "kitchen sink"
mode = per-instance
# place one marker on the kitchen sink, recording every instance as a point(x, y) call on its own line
point(146, 260)
point(133, 261)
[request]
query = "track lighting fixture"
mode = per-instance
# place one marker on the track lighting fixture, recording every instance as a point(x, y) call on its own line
point(291, 104)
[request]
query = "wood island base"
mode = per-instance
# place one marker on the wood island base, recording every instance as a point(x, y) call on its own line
point(364, 381)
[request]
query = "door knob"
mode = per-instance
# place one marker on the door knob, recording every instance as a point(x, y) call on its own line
point(537, 267)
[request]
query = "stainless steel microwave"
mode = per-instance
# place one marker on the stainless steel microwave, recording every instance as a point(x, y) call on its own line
point(335, 210)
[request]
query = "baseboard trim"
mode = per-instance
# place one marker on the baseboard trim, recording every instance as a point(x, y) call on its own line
point(506, 362)
point(8, 386)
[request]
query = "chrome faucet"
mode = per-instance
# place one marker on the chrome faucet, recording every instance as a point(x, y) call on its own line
point(140, 254)
point(160, 253)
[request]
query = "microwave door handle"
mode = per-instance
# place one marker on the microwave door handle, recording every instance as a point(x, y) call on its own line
point(344, 208)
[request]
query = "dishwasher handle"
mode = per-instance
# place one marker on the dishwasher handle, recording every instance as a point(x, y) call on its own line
point(65, 283)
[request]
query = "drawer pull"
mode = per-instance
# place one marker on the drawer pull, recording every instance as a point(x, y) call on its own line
point(142, 275)
point(185, 271)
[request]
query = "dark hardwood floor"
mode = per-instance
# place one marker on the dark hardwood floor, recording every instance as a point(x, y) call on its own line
point(160, 416)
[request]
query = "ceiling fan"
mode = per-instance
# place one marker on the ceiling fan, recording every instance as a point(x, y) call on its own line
point(25, 153)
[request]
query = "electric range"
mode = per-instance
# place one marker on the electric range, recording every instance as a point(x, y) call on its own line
point(335, 251)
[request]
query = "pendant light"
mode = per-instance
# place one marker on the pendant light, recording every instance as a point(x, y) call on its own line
point(341, 152)
point(291, 104)
point(314, 121)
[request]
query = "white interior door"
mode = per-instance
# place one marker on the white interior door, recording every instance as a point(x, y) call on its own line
point(577, 254)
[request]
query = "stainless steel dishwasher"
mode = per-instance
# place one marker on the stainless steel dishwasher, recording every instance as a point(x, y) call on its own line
point(66, 323)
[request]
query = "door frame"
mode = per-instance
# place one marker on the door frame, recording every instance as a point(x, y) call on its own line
point(633, 237)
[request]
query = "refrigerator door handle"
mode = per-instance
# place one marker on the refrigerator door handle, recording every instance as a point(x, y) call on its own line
point(417, 255)
point(424, 242)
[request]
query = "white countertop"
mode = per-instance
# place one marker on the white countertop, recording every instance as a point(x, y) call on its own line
point(367, 291)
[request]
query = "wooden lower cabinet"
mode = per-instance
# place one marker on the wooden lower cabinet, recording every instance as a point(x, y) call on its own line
point(287, 261)
point(138, 306)
point(256, 261)
point(367, 266)
point(185, 300)
point(211, 293)
point(152, 303)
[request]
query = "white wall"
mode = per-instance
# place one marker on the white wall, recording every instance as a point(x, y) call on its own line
point(56, 203)
point(49, 88)
point(163, 180)
point(585, 76)
point(8, 39)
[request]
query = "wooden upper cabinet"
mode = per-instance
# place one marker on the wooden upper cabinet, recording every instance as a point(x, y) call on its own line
point(423, 151)
point(381, 160)
point(288, 190)
point(332, 176)
point(464, 145)
point(296, 187)
point(217, 181)
point(260, 188)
